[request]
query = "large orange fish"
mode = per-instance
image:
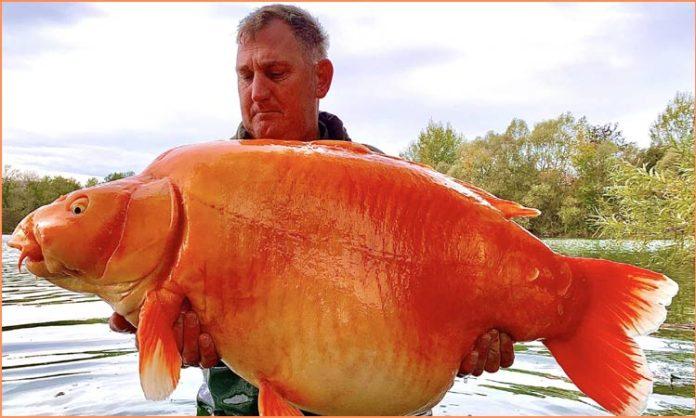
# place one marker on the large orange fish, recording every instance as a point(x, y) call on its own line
point(336, 280)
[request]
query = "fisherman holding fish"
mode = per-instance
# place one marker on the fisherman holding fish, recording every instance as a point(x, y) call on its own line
point(283, 71)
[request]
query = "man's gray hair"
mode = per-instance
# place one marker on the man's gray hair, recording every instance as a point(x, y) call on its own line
point(306, 27)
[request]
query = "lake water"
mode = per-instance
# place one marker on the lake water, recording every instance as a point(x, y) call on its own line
point(59, 357)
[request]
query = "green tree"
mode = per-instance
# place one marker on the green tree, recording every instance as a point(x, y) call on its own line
point(15, 200)
point(657, 202)
point(592, 159)
point(667, 130)
point(437, 146)
point(551, 142)
point(517, 129)
point(92, 181)
point(23, 192)
point(559, 167)
point(118, 175)
point(548, 157)
point(495, 163)
point(675, 123)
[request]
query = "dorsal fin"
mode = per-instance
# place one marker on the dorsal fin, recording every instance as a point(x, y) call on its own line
point(509, 208)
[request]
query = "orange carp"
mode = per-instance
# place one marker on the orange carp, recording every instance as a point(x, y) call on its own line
point(337, 280)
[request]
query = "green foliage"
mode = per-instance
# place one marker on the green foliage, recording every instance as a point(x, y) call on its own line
point(559, 167)
point(675, 124)
point(564, 167)
point(657, 202)
point(117, 175)
point(436, 146)
point(23, 192)
point(91, 182)
point(497, 162)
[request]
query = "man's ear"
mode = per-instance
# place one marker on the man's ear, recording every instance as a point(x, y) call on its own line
point(324, 70)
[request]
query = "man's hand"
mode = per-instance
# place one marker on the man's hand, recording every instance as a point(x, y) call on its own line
point(492, 351)
point(196, 348)
point(120, 324)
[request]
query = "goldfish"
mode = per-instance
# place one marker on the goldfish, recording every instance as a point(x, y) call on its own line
point(337, 280)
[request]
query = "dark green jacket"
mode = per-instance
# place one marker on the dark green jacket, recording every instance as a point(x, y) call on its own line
point(225, 393)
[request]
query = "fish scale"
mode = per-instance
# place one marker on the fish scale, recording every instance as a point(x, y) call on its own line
point(360, 212)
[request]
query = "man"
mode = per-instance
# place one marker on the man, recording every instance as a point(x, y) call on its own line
point(282, 73)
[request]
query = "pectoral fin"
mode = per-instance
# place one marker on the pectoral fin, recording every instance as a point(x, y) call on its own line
point(272, 404)
point(160, 361)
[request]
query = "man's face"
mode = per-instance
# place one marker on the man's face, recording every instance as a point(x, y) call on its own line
point(278, 85)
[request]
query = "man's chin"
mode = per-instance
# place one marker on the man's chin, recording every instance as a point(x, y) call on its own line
point(261, 133)
point(271, 128)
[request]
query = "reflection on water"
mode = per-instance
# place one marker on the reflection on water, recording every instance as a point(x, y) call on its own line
point(59, 357)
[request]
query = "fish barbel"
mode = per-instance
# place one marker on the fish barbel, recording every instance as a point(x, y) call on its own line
point(337, 280)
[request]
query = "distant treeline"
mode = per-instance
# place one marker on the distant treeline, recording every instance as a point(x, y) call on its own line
point(22, 192)
point(587, 180)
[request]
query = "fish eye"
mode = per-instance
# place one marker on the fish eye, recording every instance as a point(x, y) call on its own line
point(79, 206)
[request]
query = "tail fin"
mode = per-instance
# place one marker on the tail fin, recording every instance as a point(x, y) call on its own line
point(600, 356)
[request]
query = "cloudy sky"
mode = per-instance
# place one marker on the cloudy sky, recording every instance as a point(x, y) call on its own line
point(93, 88)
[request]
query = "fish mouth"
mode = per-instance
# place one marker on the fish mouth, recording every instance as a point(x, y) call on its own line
point(58, 274)
point(51, 271)
point(28, 247)
point(24, 240)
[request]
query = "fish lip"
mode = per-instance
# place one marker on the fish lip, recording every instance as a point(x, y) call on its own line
point(30, 259)
point(39, 268)
point(26, 243)
point(13, 244)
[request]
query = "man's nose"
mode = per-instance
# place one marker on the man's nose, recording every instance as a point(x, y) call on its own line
point(259, 88)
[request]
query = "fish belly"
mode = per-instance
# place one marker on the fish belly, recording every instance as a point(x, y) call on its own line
point(353, 286)
point(328, 356)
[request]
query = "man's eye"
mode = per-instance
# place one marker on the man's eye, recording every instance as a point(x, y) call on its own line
point(276, 75)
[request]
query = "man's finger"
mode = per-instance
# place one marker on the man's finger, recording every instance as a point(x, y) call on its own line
point(507, 350)
point(118, 323)
point(178, 329)
point(468, 364)
point(482, 346)
point(192, 330)
point(493, 360)
point(209, 357)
